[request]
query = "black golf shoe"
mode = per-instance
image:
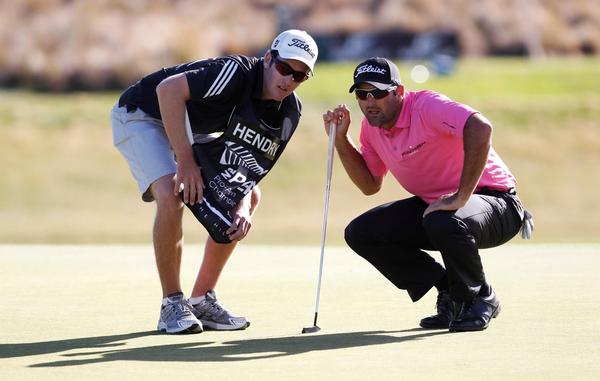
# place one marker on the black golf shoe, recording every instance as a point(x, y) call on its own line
point(477, 314)
point(446, 312)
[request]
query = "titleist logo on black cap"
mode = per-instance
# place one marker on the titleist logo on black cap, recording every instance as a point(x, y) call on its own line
point(302, 45)
point(369, 69)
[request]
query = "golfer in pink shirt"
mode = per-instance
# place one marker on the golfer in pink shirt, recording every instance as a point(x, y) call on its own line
point(464, 194)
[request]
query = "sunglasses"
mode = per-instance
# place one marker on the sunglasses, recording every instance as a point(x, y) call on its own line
point(284, 69)
point(375, 93)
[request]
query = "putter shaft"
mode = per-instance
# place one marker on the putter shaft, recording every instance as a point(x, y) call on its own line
point(332, 127)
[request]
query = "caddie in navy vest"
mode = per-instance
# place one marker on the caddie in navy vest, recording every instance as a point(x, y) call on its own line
point(203, 134)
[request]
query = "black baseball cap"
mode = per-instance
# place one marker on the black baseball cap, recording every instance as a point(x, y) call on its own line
point(379, 72)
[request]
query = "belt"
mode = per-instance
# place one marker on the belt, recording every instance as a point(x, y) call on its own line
point(486, 190)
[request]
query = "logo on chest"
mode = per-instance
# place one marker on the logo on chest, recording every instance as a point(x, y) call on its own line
point(235, 154)
point(268, 145)
point(412, 150)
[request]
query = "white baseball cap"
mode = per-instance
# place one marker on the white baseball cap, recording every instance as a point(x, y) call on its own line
point(294, 44)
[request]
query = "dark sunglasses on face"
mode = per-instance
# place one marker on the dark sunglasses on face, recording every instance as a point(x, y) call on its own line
point(376, 93)
point(284, 69)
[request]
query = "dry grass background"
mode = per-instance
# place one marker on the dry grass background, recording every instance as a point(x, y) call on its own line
point(62, 44)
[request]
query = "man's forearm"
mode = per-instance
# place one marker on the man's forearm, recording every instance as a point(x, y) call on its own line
point(245, 202)
point(356, 168)
point(477, 140)
point(172, 97)
point(249, 201)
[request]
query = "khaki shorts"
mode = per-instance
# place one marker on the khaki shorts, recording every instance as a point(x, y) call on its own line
point(143, 142)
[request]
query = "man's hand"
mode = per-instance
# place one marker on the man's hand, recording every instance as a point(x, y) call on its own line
point(341, 116)
point(188, 181)
point(446, 202)
point(242, 222)
point(350, 156)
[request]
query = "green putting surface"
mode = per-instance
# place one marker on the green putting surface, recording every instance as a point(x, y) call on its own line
point(89, 312)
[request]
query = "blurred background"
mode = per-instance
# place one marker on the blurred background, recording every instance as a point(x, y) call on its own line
point(73, 45)
point(530, 66)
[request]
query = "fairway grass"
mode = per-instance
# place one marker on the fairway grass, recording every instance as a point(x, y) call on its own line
point(89, 312)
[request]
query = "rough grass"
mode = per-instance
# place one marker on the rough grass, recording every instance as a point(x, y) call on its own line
point(64, 182)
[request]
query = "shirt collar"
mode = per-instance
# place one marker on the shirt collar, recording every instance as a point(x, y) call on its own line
point(258, 82)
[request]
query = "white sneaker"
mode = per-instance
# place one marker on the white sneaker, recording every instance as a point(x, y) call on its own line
point(177, 317)
point(213, 315)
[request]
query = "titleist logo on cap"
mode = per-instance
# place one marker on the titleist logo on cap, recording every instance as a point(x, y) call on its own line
point(302, 45)
point(369, 69)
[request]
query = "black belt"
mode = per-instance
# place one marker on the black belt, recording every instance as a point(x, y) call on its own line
point(490, 191)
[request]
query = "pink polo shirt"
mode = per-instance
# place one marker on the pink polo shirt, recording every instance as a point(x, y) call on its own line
point(424, 150)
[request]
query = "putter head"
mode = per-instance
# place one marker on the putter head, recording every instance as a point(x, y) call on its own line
point(311, 329)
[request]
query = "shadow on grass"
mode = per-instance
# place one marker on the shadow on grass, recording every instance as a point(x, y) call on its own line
point(239, 350)
point(45, 347)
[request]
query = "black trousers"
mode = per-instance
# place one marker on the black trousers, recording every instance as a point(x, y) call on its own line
point(392, 238)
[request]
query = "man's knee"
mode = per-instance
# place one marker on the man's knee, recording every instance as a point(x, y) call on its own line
point(169, 204)
point(354, 234)
point(166, 201)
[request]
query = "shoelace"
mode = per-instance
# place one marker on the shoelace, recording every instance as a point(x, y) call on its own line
point(214, 305)
point(466, 308)
point(178, 309)
point(210, 308)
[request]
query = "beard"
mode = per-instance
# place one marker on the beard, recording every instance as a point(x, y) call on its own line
point(379, 119)
point(384, 115)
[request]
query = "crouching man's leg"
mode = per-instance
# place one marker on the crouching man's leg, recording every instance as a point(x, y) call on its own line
point(485, 221)
point(391, 238)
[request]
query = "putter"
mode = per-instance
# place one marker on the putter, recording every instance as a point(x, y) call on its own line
point(315, 328)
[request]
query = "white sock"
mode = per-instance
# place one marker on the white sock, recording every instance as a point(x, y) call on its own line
point(197, 299)
point(165, 300)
